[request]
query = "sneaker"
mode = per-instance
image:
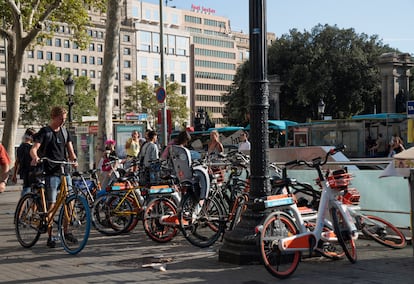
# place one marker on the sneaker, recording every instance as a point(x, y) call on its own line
point(71, 238)
point(51, 242)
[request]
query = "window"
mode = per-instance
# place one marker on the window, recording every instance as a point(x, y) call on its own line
point(39, 54)
point(143, 77)
point(183, 90)
point(99, 60)
point(84, 72)
point(91, 47)
point(67, 57)
point(99, 47)
point(58, 56)
point(83, 59)
point(172, 77)
point(30, 68)
point(76, 58)
point(49, 42)
point(127, 64)
point(127, 51)
point(92, 73)
point(30, 54)
point(66, 43)
point(49, 55)
point(76, 72)
point(183, 78)
point(58, 42)
point(127, 76)
point(126, 38)
point(92, 60)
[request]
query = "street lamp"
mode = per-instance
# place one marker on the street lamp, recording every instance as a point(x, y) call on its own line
point(321, 108)
point(70, 90)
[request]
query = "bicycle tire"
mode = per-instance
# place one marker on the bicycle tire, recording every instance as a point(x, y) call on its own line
point(384, 233)
point(28, 220)
point(276, 226)
point(343, 234)
point(106, 220)
point(206, 227)
point(154, 227)
point(77, 227)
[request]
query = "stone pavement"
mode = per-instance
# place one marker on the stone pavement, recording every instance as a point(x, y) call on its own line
point(120, 259)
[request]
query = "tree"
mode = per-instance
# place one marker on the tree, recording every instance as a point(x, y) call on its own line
point(237, 100)
point(105, 124)
point(334, 64)
point(141, 98)
point(24, 23)
point(47, 89)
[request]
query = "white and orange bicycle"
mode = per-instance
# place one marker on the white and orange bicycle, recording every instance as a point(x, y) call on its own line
point(284, 235)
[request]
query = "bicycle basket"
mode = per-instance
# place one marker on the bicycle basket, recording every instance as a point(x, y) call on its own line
point(351, 196)
point(339, 179)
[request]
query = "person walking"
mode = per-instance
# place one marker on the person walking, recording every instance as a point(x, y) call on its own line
point(215, 146)
point(244, 144)
point(132, 145)
point(4, 168)
point(54, 142)
point(105, 163)
point(396, 146)
point(149, 151)
point(22, 164)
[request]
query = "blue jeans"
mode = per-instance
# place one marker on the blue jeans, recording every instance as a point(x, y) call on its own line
point(53, 186)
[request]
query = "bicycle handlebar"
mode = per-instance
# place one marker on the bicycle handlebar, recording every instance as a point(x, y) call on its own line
point(57, 162)
point(316, 162)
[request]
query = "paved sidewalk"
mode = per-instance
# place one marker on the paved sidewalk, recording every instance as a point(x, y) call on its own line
point(120, 260)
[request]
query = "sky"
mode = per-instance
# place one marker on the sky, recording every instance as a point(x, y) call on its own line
point(390, 20)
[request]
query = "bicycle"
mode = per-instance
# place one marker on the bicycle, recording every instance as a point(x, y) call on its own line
point(282, 238)
point(117, 210)
point(32, 217)
point(372, 227)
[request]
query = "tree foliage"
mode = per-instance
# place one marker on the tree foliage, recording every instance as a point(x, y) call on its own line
point(24, 23)
point(47, 90)
point(336, 65)
point(141, 98)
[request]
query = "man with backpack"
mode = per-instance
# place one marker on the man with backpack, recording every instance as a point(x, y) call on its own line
point(54, 142)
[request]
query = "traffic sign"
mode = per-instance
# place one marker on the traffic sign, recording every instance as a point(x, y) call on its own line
point(410, 109)
point(161, 94)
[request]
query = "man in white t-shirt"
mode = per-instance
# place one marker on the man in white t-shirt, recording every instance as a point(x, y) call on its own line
point(244, 144)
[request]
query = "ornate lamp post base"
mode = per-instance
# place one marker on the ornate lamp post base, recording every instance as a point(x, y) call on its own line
point(240, 245)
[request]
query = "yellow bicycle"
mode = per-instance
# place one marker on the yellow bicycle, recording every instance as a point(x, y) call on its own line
point(32, 217)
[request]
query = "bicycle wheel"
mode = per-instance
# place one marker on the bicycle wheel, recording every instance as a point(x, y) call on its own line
point(160, 220)
point(74, 223)
point(110, 219)
point(343, 234)
point(382, 231)
point(280, 264)
point(28, 220)
point(202, 228)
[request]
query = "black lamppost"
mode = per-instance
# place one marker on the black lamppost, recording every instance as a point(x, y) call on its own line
point(321, 108)
point(70, 90)
point(240, 245)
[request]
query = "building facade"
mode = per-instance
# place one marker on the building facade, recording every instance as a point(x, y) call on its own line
point(201, 53)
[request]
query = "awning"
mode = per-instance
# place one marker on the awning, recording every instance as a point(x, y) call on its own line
point(278, 124)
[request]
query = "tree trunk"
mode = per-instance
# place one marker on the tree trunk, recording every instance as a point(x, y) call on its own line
point(15, 59)
point(105, 125)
